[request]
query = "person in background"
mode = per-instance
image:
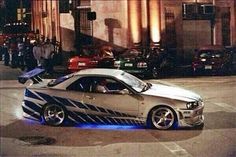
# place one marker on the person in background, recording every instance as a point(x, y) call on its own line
point(6, 54)
point(21, 48)
point(13, 53)
point(38, 53)
point(28, 56)
point(48, 49)
point(1, 52)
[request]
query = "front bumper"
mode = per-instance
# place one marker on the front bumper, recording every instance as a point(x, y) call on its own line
point(191, 118)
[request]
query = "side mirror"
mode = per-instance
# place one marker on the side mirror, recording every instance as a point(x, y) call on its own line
point(124, 91)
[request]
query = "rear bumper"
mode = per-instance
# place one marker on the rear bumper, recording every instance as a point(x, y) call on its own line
point(207, 68)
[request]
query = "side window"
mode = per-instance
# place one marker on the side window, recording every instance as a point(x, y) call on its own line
point(107, 85)
point(83, 84)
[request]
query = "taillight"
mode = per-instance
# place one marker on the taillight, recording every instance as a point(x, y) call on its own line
point(70, 60)
point(142, 65)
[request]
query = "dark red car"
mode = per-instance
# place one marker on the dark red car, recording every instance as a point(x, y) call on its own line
point(213, 59)
point(91, 58)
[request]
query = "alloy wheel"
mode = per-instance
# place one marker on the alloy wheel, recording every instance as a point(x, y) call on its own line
point(162, 118)
point(54, 115)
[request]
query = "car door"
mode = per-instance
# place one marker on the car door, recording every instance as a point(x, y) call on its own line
point(77, 91)
point(116, 103)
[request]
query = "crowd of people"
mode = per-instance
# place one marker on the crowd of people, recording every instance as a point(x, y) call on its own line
point(21, 53)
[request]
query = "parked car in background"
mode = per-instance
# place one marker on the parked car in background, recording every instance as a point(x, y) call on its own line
point(212, 59)
point(91, 58)
point(145, 63)
point(133, 61)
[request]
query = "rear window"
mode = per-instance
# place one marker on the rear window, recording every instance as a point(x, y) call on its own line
point(131, 53)
point(210, 54)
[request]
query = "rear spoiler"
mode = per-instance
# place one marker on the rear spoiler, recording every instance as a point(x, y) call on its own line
point(33, 75)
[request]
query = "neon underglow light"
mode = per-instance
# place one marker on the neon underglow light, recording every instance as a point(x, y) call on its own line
point(108, 127)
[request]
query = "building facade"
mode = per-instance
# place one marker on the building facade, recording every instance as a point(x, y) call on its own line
point(180, 24)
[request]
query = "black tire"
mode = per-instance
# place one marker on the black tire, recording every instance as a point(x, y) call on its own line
point(162, 118)
point(54, 114)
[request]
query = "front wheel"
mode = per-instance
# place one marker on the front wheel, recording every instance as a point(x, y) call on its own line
point(54, 114)
point(162, 118)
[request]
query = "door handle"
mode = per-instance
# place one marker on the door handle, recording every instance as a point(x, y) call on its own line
point(89, 97)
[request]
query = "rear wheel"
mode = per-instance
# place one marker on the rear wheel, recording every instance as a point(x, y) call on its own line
point(54, 114)
point(162, 118)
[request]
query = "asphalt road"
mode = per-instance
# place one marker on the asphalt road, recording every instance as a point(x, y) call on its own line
point(20, 137)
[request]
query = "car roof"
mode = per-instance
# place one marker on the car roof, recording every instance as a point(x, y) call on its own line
point(100, 71)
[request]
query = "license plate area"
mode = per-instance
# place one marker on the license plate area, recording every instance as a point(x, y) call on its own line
point(128, 64)
point(208, 66)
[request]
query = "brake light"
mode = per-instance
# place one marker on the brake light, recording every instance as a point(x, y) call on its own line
point(142, 65)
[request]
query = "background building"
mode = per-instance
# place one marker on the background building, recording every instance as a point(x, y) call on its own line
point(182, 25)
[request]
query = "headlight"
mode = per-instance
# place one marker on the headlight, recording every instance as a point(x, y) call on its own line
point(192, 105)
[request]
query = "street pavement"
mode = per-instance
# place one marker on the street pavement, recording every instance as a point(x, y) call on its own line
point(21, 137)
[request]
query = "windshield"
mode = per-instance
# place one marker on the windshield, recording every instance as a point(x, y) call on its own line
point(135, 83)
point(87, 52)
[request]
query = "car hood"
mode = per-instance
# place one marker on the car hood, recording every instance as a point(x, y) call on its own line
point(172, 92)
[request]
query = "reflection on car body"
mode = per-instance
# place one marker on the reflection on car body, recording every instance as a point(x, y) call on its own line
point(128, 101)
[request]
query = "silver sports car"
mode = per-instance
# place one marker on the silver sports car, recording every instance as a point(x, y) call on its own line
point(108, 96)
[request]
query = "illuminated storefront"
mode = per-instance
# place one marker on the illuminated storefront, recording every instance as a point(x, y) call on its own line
point(136, 23)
